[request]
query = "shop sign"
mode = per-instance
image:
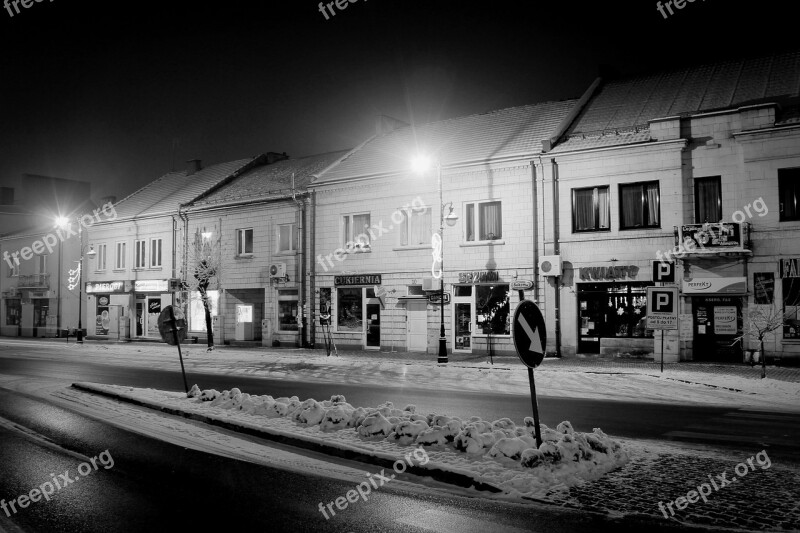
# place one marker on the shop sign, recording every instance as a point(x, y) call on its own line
point(612, 272)
point(478, 276)
point(725, 320)
point(436, 297)
point(151, 285)
point(722, 235)
point(790, 268)
point(737, 285)
point(685, 327)
point(360, 279)
point(104, 286)
point(521, 285)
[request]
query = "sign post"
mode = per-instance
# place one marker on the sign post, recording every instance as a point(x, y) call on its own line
point(530, 339)
point(172, 327)
point(662, 311)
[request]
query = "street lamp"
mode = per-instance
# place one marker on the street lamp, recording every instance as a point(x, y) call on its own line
point(420, 165)
point(64, 222)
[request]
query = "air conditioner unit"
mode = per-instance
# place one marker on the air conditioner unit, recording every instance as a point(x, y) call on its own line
point(550, 265)
point(430, 284)
point(277, 270)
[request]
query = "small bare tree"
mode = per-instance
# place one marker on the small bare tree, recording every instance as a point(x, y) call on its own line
point(761, 321)
point(203, 265)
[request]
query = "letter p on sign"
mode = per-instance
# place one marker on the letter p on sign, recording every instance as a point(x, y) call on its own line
point(663, 302)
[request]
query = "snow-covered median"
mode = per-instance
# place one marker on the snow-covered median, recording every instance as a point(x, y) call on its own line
point(497, 454)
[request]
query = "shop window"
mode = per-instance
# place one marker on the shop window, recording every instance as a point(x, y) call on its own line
point(492, 309)
point(764, 288)
point(100, 258)
point(462, 290)
point(791, 306)
point(287, 237)
point(287, 311)
point(244, 241)
point(707, 200)
point(415, 229)
point(140, 254)
point(13, 311)
point(591, 209)
point(120, 257)
point(40, 309)
point(349, 307)
point(789, 193)
point(325, 306)
point(613, 310)
point(484, 220)
point(197, 313)
point(355, 232)
point(155, 253)
point(640, 205)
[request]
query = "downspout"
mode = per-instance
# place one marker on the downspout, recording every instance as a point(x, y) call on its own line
point(174, 252)
point(556, 251)
point(302, 225)
point(313, 271)
point(535, 229)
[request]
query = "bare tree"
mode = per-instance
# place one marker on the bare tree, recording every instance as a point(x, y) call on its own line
point(203, 265)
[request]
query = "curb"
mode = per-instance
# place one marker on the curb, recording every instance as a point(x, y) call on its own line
point(451, 478)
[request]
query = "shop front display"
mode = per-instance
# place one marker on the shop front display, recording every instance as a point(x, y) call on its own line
point(614, 311)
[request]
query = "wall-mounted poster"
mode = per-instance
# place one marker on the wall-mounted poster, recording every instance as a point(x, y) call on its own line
point(764, 287)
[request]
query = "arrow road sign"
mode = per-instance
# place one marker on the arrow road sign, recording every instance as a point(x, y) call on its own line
point(530, 333)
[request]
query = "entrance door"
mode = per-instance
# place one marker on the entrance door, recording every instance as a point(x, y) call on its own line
point(417, 325)
point(717, 323)
point(140, 318)
point(153, 310)
point(463, 311)
point(373, 324)
point(591, 320)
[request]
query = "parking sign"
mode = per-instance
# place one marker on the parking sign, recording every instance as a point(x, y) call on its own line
point(662, 308)
point(664, 271)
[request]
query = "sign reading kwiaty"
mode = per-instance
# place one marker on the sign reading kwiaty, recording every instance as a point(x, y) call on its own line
point(360, 279)
point(611, 272)
point(104, 286)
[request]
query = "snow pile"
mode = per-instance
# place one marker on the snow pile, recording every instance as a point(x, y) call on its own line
point(570, 454)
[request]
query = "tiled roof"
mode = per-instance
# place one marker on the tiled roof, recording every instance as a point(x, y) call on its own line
point(581, 142)
point(272, 180)
point(167, 193)
point(515, 131)
point(623, 105)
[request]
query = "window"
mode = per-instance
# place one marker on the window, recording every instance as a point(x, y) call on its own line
point(487, 225)
point(639, 205)
point(197, 312)
point(13, 311)
point(140, 249)
point(155, 253)
point(120, 257)
point(287, 311)
point(791, 306)
point(789, 193)
point(287, 237)
point(492, 309)
point(707, 200)
point(41, 264)
point(415, 230)
point(764, 288)
point(591, 210)
point(349, 315)
point(101, 257)
point(244, 241)
point(355, 231)
point(13, 271)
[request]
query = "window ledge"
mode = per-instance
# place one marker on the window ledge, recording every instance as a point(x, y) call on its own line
point(495, 242)
point(286, 253)
point(358, 251)
point(412, 247)
point(243, 256)
point(119, 270)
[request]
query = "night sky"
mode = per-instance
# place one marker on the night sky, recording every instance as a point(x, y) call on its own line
point(117, 93)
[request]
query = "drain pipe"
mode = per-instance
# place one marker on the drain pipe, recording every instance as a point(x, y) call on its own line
point(301, 204)
point(535, 229)
point(313, 272)
point(556, 251)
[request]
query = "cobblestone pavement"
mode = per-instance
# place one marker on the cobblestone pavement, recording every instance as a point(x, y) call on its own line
point(762, 499)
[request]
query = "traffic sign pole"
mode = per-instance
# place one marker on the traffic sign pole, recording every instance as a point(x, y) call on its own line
point(535, 405)
point(530, 339)
point(174, 325)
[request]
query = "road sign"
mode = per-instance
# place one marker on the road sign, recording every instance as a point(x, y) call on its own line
point(662, 308)
point(165, 325)
point(521, 285)
point(664, 271)
point(530, 334)
point(436, 297)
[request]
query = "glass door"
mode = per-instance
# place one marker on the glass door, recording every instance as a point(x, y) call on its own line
point(463, 313)
point(139, 318)
point(372, 315)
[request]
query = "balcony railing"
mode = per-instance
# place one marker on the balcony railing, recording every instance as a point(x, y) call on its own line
point(34, 281)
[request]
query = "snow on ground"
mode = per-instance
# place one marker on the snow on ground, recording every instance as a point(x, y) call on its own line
point(497, 453)
point(674, 386)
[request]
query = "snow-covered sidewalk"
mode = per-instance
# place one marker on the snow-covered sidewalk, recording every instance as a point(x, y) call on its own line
point(677, 385)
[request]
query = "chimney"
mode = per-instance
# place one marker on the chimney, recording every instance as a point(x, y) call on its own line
point(108, 200)
point(386, 124)
point(274, 157)
point(192, 166)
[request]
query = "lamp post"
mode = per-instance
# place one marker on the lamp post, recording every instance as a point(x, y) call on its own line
point(64, 222)
point(422, 163)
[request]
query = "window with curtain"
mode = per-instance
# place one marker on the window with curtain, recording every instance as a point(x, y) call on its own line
point(286, 237)
point(640, 205)
point(355, 231)
point(155, 253)
point(590, 209)
point(484, 221)
point(789, 193)
point(707, 200)
point(244, 241)
point(140, 254)
point(416, 228)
